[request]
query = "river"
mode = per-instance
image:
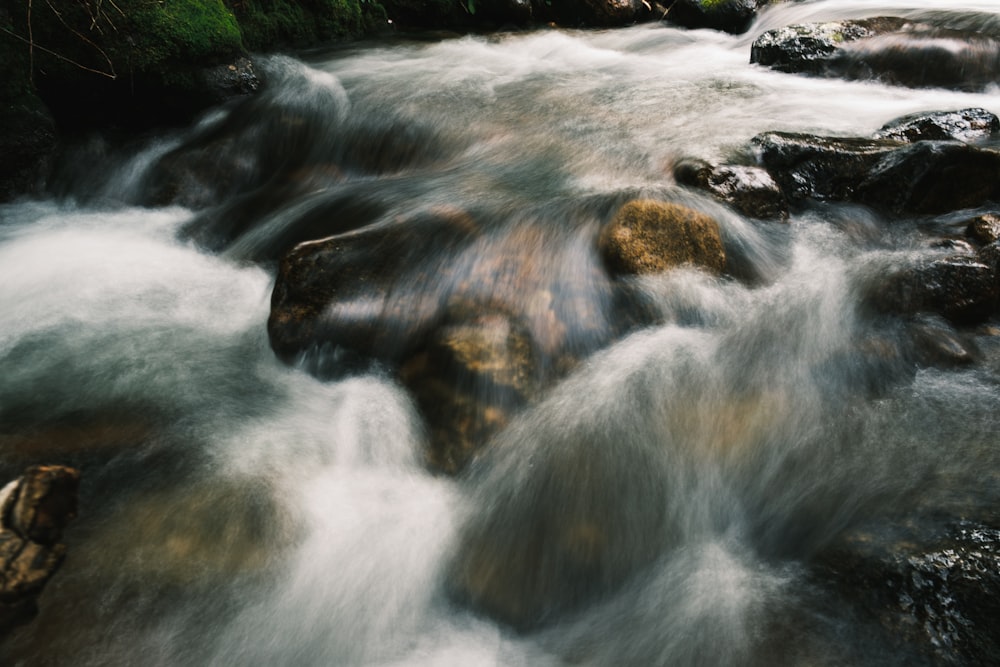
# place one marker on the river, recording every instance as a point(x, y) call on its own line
point(237, 510)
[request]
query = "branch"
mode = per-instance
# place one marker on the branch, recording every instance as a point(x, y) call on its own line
point(111, 65)
point(112, 75)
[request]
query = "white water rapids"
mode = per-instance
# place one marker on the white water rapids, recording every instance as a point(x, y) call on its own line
point(238, 511)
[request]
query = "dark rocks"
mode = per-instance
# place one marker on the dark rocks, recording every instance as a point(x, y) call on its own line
point(961, 289)
point(749, 190)
point(923, 177)
point(228, 80)
point(473, 374)
point(34, 510)
point(649, 236)
point(732, 16)
point(893, 50)
point(809, 48)
point(27, 143)
point(964, 125)
point(604, 13)
point(939, 593)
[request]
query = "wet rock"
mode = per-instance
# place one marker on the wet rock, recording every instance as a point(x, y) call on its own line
point(961, 289)
point(940, 593)
point(810, 47)
point(369, 291)
point(963, 125)
point(34, 510)
point(893, 50)
point(649, 236)
point(984, 229)
point(230, 80)
point(474, 373)
point(732, 16)
point(749, 190)
point(990, 256)
point(923, 177)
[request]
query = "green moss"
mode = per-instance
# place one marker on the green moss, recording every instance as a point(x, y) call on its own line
point(129, 36)
point(267, 24)
point(192, 30)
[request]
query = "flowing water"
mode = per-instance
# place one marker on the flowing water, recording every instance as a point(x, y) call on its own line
point(236, 510)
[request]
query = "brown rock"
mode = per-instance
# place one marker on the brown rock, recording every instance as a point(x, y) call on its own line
point(34, 509)
point(648, 236)
point(984, 229)
point(470, 378)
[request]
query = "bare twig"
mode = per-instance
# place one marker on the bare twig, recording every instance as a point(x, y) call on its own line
point(111, 65)
point(667, 10)
point(110, 75)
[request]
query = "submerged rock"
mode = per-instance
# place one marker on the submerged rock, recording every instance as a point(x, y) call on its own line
point(559, 519)
point(749, 190)
point(922, 177)
point(473, 374)
point(961, 289)
point(963, 125)
point(648, 236)
point(34, 511)
point(890, 49)
point(732, 16)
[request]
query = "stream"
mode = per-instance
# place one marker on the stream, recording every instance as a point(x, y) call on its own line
point(236, 509)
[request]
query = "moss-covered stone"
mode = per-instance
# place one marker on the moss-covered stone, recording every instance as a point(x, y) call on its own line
point(267, 24)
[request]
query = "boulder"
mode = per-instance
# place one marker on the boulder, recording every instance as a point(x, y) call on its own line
point(732, 16)
point(938, 593)
point(648, 236)
point(922, 177)
point(961, 289)
point(369, 291)
point(475, 372)
point(810, 48)
point(749, 190)
point(34, 511)
point(984, 229)
point(890, 49)
point(963, 125)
